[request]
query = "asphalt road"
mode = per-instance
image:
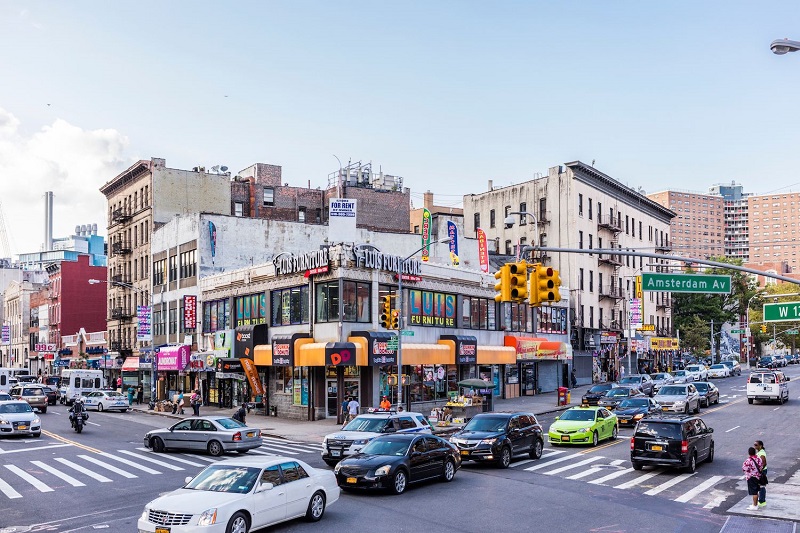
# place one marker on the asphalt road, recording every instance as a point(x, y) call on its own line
point(102, 478)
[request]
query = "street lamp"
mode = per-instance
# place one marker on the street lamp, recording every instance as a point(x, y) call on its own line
point(510, 221)
point(402, 320)
point(782, 46)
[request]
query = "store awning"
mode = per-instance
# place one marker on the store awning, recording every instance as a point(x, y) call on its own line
point(362, 350)
point(311, 354)
point(428, 354)
point(496, 355)
point(262, 355)
point(131, 364)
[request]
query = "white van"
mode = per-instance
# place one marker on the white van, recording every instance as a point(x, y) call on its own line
point(767, 385)
point(6, 376)
point(75, 382)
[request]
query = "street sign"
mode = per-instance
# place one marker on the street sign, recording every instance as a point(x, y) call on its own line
point(407, 333)
point(791, 332)
point(782, 312)
point(735, 331)
point(700, 283)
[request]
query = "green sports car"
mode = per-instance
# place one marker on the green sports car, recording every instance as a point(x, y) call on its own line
point(583, 425)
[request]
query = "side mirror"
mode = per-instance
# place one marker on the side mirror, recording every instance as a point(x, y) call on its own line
point(711, 430)
point(265, 486)
point(416, 454)
point(556, 418)
point(788, 378)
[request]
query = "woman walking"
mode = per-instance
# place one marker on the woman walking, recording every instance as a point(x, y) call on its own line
point(762, 455)
point(752, 471)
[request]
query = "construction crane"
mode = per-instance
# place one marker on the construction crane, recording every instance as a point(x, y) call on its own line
point(5, 249)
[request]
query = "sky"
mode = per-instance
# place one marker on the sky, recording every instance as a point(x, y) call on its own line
point(446, 94)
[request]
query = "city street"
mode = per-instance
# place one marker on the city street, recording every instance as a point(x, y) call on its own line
point(103, 477)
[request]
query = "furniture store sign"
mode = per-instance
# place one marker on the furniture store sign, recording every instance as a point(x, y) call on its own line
point(290, 264)
point(376, 260)
point(432, 309)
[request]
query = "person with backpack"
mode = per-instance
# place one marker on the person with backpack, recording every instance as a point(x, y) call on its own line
point(241, 414)
point(752, 471)
point(762, 491)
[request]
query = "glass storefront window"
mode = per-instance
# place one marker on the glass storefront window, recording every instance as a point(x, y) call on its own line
point(478, 313)
point(251, 309)
point(215, 316)
point(327, 302)
point(551, 320)
point(300, 386)
point(521, 318)
point(283, 379)
point(355, 302)
point(432, 382)
point(290, 306)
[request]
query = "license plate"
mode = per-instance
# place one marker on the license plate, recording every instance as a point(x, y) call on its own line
point(336, 453)
point(162, 530)
point(352, 480)
point(623, 421)
point(665, 409)
point(22, 427)
point(464, 452)
point(565, 438)
point(656, 448)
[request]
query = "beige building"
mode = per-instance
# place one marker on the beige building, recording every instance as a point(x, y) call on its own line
point(698, 229)
point(773, 227)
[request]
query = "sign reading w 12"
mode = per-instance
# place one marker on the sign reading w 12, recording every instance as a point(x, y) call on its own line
point(701, 283)
point(782, 312)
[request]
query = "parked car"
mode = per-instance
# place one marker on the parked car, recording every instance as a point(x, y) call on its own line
point(31, 393)
point(243, 494)
point(792, 359)
point(393, 461)
point(214, 434)
point(17, 418)
point(660, 379)
point(733, 366)
point(768, 386)
point(643, 382)
point(780, 360)
point(51, 393)
point(106, 401)
point(681, 398)
point(583, 425)
point(497, 437)
point(358, 432)
point(680, 441)
point(681, 376)
point(630, 411)
point(595, 393)
point(4, 397)
point(699, 372)
point(718, 370)
point(615, 395)
point(766, 361)
point(708, 392)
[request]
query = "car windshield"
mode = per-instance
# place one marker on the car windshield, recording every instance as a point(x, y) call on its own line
point(679, 373)
point(631, 379)
point(728, 363)
point(367, 424)
point(217, 478)
point(579, 415)
point(15, 408)
point(599, 388)
point(766, 359)
point(634, 402)
point(386, 446)
point(658, 429)
point(717, 366)
point(4, 397)
point(486, 423)
point(32, 392)
point(617, 392)
point(701, 386)
point(672, 391)
point(693, 368)
point(660, 376)
point(229, 423)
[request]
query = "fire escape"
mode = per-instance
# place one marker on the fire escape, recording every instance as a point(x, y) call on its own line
point(614, 290)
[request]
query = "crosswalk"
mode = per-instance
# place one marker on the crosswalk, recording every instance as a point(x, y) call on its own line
point(598, 470)
point(85, 469)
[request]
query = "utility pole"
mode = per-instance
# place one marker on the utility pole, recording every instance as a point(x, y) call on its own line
point(712, 340)
point(774, 342)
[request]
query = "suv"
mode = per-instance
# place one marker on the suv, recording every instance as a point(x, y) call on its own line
point(33, 394)
point(498, 437)
point(672, 440)
point(780, 360)
point(767, 361)
point(767, 385)
point(594, 394)
point(643, 382)
point(733, 366)
point(363, 428)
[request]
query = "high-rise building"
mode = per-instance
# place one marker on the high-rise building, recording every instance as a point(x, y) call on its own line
point(737, 237)
point(773, 225)
point(698, 228)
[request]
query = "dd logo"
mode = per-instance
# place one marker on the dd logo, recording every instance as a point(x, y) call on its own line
point(341, 357)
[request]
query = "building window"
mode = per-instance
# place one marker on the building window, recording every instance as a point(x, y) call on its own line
point(508, 247)
point(591, 316)
point(159, 270)
point(476, 220)
point(580, 205)
point(173, 321)
point(173, 268)
point(238, 209)
point(580, 278)
point(591, 281)
point(416, 229)
point(551, 320)
point(640, 230)
point(627, 224)
point(251, 309)
point(478, 313)
point(318, 215)
point(216, 315)
point(290, 306)
point(301, 214)
point(492, 218)
point(542, 208)
point(523, 208)
point(521, 318)
point(327, 302)
point(580, 240)
point(590, 209)
point(506, 211)
point(188, 264)
point(590, 242)
point(269, 196)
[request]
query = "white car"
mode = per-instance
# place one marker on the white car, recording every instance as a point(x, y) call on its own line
point(681, 376)
point(718, 371)
point(241, 495)
point(698, 372)
point(106, 400)
point(17, 418)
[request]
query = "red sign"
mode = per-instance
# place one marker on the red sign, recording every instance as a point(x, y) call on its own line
point(189, 312)
point(483, 252)
point(318, 270)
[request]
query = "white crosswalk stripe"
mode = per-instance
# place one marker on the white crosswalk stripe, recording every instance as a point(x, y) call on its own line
point(38, 485)
point(59, 474)
point(109, 467)
point(688, 495)
point(310, 446)
point(595, 469)
point(6, 489)
point(637, 480)
point(667, 484)
point(151, 460)
point(172, 457)
point(82, 470)
point(201, 458)
point(520, 463)
point(130, 463)
point(574, 465)
point(553, 461)
point(609, 477)
point(260, 452)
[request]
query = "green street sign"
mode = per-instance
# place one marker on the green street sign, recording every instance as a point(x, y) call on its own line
point(734, 331)
point(392, 343)
point(791, 332)
point(782, 312)
point(407, 333)
point(700, 283)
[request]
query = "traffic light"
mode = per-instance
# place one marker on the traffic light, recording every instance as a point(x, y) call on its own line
point(395, 323)
point(503, 287)
point(545, 282)
point(763, 328)
point(556, 277)
point(519, 281)
point(386, 311)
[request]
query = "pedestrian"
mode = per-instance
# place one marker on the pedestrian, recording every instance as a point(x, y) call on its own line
point(344, 408)
point(352, 409)
point(573, 378)
point(752, 471)
point(119, 384)
point(241, 414)
point(140, 395)
point(385, 403)
point(195, 402)
point(621, 371)
point(762, 455)
point(178, 407)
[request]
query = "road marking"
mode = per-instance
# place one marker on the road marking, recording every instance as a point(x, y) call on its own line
point(776, 408)
point(606, 445)
point(79, 468)
point(551, 451)
point(734, 427)
point(172, 458)
point(710, 482)
point(638, 480)
point(92, 423)
point(520, 463)
point(37, 448)
point(668, 484)
point(151, 460)
point(309, 445)
point(574, 465)
point(71, 442)
point(609, 477)
point(6, 489)
point(260, 452)
point(716, 502)
point(130, 463)
point(200, 458)
point(58, 473)
point(554, 461)
point(107, 466)
point(281, 449)
point(38, 485)
point(595, 469)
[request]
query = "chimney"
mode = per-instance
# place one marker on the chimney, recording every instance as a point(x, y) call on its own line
point(427, 200)
point(48, 221)
point(491, 185)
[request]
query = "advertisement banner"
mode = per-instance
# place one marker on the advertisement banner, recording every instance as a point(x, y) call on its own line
point(342, 214)
point(426, 234)
point(452, 233)
point(6, 334)
point(173, 357)
point(212, 235)
point(252, 376)
point(483, 251)
point(143, 323)
point(190, 312)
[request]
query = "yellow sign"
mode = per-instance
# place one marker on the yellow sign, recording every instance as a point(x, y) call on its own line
point(663, 343)
point(647, 327)
point(638, 284)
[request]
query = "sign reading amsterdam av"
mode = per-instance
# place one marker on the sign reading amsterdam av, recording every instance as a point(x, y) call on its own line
point(704, 283)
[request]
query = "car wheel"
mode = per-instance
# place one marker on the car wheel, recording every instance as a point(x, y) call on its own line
point(594, 438)
point(505, 457)
point(157, 445)
point(215, 448)
point(316, 507)
point(238, 523)
point(686, 409)
point(636, 465)
point(711, 454)
point(449, 471)
point(716, 402)
point(536, 450)
point(614, 433)
point(100, 407)
point(37, 435)
point(692, 466)
point(330, 463)
point(399, 482)
point(43, 409)
point(750, 400)
point(697, 407)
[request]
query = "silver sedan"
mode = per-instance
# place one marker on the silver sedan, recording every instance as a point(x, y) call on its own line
point(213, 434)
point(17, 418)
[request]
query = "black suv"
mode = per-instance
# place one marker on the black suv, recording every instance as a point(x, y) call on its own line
point(671, 440)
point(498, 437)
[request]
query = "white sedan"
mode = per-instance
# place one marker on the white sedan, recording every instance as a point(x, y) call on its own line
point(241, 495)
point(106, 400)
point(718, 371)
point(698, 372)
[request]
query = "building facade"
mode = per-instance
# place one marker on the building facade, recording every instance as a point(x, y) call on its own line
point(698, 229)
point(773, 229)
point(735, 217)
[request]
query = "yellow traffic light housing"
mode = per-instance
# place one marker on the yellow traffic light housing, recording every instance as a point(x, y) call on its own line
point(519, 281)
point(545, 282)
point(395, 322)
point(556, 277)
point(386, 311)
point(763, 328)
point(503, 286)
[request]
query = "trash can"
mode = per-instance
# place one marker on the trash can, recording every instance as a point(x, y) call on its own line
point(563, 396)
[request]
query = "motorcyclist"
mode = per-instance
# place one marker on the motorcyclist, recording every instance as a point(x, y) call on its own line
point(77, 409)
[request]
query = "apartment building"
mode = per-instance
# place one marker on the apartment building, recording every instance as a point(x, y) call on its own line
point(735, 218)
point(698, 229)
point(773, 227)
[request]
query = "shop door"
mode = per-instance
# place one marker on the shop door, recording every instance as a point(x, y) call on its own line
point(351, 390)
point(333, 400)
point(528, 379)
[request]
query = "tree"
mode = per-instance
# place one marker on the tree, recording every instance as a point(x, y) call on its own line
point(695, 335)
point(772, 294)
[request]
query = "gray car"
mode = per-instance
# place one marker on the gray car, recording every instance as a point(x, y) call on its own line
point(641, 381)
point(17, 418)
point(660, 379)
point(680, 398)
point(213, 434)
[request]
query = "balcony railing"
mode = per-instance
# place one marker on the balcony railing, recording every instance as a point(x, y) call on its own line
point(612, 291)
point(121, 248)
point(610, 223)
point(664, 246)
point(121, 313)
point(120, 215)
point(610, 259)
point(120, 279)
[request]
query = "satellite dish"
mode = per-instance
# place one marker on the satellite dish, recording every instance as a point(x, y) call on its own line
point(223, 168)
point(215, 168)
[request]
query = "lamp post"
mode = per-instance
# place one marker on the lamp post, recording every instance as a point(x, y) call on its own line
point(782, 46)
point(402, 319)
point(510, 221)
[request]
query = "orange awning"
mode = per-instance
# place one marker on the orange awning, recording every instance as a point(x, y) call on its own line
point(131, 364)
point(496, 355)
point(362, 355)
point(262, 355)
point(428, 354)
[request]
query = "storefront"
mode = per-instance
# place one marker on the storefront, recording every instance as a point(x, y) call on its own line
point(542, 364)
point(171, 362)
point(231, 383)
point(202, 366)
point(130, 373)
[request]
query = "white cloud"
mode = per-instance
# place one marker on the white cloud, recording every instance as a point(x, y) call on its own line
point(63, 158)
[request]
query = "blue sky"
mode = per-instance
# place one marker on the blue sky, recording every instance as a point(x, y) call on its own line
point(446, 94)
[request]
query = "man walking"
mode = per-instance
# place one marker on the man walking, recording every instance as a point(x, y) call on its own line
point(352, 409)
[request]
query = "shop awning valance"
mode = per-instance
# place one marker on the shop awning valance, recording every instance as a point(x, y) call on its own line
point(131, 364)
point(496, 355)
point(428, 354)
point(313, 354)
point(262, 355)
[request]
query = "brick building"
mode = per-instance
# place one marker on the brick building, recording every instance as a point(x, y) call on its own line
point(773, 231)
point(698, 229)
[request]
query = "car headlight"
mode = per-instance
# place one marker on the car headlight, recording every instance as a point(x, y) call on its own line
point(383, 471)
point(489, 441)
point(361, 442)
point(337, 468)
point(208, 517)
point(584, 430)
point(36, 420)
point(145, 513)
point(680, 402)
point(324, 441)
point(637, 417)
point(4, 421)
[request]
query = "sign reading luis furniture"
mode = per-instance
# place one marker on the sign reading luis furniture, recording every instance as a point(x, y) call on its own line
point(366, 258)
point(432, 309)
point(289, 264)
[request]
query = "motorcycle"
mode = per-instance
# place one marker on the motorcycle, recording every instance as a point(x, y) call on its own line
point(79, 420)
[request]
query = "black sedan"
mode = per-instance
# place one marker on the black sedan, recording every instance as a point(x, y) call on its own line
point(595, 393)
point(51, 393)
point(614, 397)
point(393, 461)
point(709, 393)
point(630, 411)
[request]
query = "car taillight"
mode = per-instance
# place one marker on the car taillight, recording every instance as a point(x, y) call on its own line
point(631, 443)
point(684, 446)
point(237, 436)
